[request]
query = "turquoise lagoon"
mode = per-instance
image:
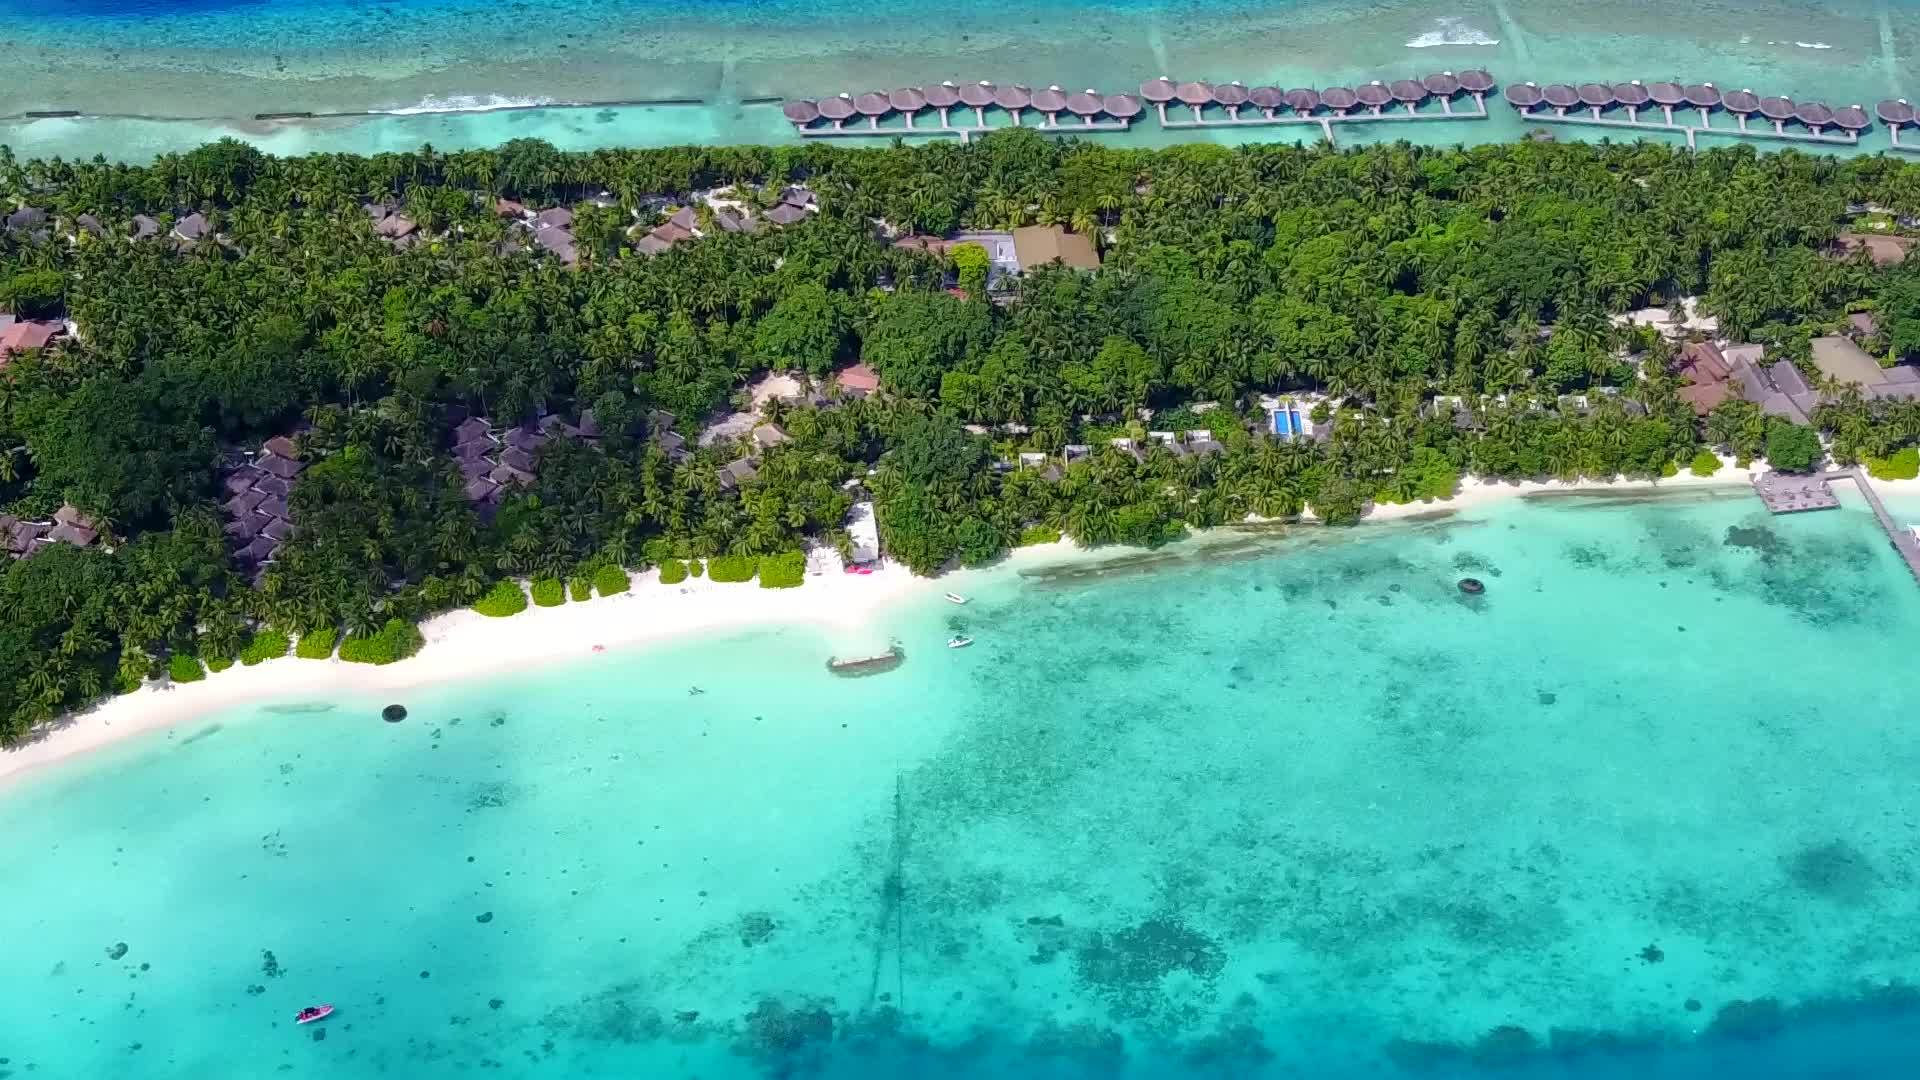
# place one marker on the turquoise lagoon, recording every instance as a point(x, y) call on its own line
point(162, 75)
point(1271, 805)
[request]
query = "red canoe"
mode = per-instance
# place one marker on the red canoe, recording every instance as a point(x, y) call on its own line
point(316, 1012)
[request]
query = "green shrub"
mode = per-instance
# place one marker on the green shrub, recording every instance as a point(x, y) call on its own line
point(1034, 535)
point(397, 640)
point(673, 572)
point(264, 645)
point(609, 580)
point(548, 592)
point(218, 664)
point(732, 568)
point(579, 588)
point(316, 644)
point(504, 599)
point(1902, 465)
point(783, 571)
point(694, 567)
point(1705, 463)
point(1669, 468)
point(1791, 447)
point(184, 668)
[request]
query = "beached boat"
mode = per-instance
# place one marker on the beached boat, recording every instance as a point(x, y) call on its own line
point(959, 642)
point(313, 1012)
point(956, 598)
point(868, 665)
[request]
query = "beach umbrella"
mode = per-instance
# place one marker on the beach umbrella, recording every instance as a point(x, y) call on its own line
point(1522, 96)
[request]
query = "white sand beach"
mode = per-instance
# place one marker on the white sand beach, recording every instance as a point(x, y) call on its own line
point(1475, 491)
point(464, 644)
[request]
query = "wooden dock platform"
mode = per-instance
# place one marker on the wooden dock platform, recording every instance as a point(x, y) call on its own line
point(1785, 493)
point(1788, 493)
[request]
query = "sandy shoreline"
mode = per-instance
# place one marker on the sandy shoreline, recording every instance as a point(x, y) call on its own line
point(463, 644)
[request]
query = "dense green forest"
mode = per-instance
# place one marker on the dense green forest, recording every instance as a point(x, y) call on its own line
point(1387, 277)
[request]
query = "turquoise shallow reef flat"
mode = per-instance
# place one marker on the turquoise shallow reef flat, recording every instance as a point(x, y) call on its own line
point(1273, 805)
point(159, 75)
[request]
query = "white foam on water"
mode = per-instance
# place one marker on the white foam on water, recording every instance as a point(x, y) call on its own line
point(1451, 30)
point(1813, 45)
point(462, 103)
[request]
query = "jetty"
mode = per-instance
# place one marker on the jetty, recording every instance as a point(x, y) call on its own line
point(1897, 113)
point(1673, 107)
point(1785, 493)
point(931, 110)
point(868, 665)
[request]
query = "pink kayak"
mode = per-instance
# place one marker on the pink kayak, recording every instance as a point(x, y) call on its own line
point(313, 1012)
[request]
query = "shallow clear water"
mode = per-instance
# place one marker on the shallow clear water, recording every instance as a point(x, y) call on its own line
point(1269, 806)
point(215, 64)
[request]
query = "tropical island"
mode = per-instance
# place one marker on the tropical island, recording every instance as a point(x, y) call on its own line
point(251, 405)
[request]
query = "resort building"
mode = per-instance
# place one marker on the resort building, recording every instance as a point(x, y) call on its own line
point(259, 518)
point(24, 335)
point(1039, 245)
point(858, 380)
point(1883, 250)
point(1715, 373)
point(863, 535)
point(1843, 361)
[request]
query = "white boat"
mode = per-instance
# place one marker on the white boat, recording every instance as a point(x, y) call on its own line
point(959, 642)
point(956, 598)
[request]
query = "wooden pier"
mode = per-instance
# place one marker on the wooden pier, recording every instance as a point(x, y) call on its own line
point(929, 110)
point(1786, 493)
point(1790, 493)
point(1593, 100)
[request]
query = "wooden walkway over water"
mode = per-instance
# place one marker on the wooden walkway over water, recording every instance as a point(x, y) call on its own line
point(1785, 493)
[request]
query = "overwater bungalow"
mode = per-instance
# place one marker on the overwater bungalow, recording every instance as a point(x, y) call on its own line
point(1158, 91)
point(1195, 95)
point(1339, 99)
point(1374, 96)
point(1013, 99)
point(942, 98)
point(1268, 99)
point(1302, 100)
point(1408, 93)
point(1049, 103)
point(836, 109)
point(978, 96)
point(1631, 95)
point(907, 101)
point(1230, 96)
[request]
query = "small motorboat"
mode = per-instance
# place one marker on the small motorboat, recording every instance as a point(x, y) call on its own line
point(956, 598)
point(959, 642)
point(313, 1012)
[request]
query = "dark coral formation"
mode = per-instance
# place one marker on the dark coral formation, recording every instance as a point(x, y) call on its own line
point(1834, 870)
